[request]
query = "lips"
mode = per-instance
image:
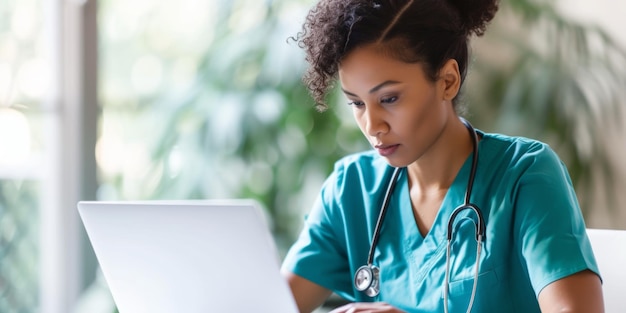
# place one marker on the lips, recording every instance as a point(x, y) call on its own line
point(386, 150)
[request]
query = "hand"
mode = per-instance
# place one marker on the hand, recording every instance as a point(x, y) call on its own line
point(366, 307)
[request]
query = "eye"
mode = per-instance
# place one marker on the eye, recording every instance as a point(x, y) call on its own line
point(356, 103)
point(388, 100)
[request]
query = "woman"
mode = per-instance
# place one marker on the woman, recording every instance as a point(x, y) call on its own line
point(517, 243)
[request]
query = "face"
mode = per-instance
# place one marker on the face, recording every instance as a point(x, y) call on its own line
point(400, 111)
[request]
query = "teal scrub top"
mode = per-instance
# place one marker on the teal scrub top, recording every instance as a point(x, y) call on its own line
point(535, 232)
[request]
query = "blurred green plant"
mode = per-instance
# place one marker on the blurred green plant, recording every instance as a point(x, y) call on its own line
point(248, 128)
point(563, 83)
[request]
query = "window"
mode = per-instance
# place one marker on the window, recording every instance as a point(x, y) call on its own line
point(44, 101)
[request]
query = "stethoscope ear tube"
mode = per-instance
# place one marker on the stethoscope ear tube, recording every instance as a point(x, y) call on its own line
point(480, 223)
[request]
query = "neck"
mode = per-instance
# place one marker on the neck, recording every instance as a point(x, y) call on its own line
point(435, 171)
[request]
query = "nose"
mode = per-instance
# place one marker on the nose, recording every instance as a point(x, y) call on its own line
point(374, 122)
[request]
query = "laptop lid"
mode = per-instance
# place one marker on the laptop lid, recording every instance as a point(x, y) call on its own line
point(179, 256)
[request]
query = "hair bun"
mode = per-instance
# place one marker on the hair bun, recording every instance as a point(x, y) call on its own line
point(475, 14)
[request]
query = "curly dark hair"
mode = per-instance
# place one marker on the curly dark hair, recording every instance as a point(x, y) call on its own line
point(426, 31)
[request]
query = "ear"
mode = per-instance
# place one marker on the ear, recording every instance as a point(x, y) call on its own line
point(450, 77)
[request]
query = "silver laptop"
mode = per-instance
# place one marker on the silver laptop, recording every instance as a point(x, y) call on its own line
point(179, 256)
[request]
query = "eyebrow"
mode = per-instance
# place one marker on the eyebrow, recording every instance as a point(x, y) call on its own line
point(375, 89)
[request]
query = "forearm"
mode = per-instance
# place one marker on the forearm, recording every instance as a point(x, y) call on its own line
point(308, 295)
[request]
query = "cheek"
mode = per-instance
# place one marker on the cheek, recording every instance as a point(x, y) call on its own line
point(423, 116)
point(359, 118)
point(410, 126)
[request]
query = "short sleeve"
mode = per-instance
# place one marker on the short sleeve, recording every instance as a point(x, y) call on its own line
point(549, 226)
point(319, 254)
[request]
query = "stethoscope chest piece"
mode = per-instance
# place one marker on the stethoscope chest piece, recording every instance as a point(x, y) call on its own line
point(367, 280)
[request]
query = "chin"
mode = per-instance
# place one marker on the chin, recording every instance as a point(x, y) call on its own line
point(397, 162)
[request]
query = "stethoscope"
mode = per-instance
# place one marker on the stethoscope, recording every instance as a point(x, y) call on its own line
point(367, 277)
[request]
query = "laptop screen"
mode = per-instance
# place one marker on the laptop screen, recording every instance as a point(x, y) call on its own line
point(179, 256)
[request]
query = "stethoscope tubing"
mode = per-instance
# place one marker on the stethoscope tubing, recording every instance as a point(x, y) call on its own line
point(383, 213)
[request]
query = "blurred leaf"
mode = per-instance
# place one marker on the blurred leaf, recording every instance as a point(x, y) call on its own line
point(562, 88)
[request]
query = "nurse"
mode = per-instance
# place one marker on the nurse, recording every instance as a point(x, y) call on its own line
point(401, 65)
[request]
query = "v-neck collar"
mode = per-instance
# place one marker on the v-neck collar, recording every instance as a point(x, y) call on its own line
point(454, 197)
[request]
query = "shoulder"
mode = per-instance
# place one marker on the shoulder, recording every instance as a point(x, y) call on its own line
point(508, 163)
point(514, 145)
point(517, 153)
point(364, 167)
point(355, 178)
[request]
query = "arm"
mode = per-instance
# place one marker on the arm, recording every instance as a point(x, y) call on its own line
point(550, 231)
point(308, 295)
point(580, 292)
